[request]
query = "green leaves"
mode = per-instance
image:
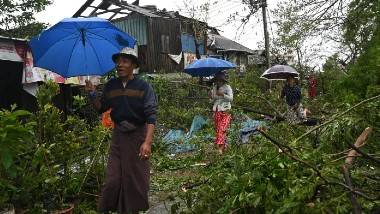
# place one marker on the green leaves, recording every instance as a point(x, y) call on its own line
point(13, 135)
point(17, 17)
point(6, 159)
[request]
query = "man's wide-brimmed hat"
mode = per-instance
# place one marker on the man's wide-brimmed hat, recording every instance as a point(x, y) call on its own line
point(127, 53)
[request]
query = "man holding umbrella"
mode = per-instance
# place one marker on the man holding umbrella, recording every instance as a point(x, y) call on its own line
point(82, 47)
point(292, 93)
point(134, 108)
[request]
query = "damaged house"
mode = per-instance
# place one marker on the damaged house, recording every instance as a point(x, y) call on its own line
point(221, 47)
point(166, 40)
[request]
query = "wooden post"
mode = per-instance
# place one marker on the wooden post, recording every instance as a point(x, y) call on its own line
point(266, 34)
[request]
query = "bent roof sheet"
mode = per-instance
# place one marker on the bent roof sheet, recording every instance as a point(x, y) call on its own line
point(223, 43)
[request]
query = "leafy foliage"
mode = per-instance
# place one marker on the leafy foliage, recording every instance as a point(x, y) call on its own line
point(17, 17)
point(360, 24)
point(257, 178)
point(364, 79)
point(15, 139)
point(51, 156)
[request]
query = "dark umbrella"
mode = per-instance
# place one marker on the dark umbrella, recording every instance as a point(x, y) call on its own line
point(279, 72)
point(208, 67)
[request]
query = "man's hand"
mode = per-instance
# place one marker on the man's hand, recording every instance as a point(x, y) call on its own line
point(89, 87)
point(210, 94)
point(145, 150)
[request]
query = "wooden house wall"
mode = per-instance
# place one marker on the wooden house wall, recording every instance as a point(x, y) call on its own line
point(163, 38)
point(158, 37)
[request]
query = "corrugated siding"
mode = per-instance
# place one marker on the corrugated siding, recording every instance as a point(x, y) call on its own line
point(135, 26)
point(188, 44)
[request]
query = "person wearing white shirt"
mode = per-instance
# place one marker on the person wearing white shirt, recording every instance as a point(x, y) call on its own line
point(222, 95)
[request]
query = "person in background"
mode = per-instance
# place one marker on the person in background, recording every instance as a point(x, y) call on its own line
point(292, 93)
point(134, 112)
point(312, 86)
point(222, 95)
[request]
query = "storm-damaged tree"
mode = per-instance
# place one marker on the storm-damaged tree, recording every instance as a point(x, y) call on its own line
point(340, 26)
point(197, 19)
point(17, 17)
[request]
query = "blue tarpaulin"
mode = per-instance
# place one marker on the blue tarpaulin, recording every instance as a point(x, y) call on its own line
point(249, 127)
point(178, 141)
point(188, 44)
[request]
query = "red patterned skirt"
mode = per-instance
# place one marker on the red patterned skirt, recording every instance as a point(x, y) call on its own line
point(222, 122)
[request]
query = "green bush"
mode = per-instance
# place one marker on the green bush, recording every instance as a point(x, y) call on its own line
point(16, 138)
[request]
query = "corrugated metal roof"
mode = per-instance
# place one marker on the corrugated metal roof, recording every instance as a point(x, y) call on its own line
point(135, 8)
point(122, 5)
point(222, 43)
point(136, 26)
point(13, 39)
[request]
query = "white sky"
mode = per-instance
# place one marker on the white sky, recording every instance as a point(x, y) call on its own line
point(219, 13)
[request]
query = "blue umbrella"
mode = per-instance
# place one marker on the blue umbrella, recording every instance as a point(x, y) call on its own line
point(79, 47)
point(208, 67)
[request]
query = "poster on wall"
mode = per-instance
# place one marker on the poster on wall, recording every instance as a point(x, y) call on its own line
point(18, 51)
point(8, 52)
point(35, 74)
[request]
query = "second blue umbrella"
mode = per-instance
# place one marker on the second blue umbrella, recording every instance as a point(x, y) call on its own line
point(208, 67)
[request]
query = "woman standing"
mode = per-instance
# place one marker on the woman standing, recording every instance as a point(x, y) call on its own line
point(222, 96)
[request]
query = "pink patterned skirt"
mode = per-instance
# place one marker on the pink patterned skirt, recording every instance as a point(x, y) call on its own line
point(222, 122)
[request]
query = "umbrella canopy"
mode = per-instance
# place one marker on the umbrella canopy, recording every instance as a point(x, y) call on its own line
point(79, 47)
point(208, 67)
point(279, 72)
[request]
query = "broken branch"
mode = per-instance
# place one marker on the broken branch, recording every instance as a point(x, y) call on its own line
point(278, 144)
point(347, 178)
point(286, 152)
point(255, 111)
point(315, 169)
point(336, 117)
point(364, 154)
point(359, 143)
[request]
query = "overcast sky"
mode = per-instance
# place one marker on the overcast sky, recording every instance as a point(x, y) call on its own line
point(252, 36)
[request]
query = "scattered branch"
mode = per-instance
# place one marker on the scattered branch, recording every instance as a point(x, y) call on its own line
point(255, 111)
point(90, 167)
point(283, 147)
point(346, 169)
point(187, 187)
point(359, 143)
point(327, 182)
point(270, 104)
point(347, 178)
point(288, 153)
point(354, 191)
point(364, 154)
point(336, 117)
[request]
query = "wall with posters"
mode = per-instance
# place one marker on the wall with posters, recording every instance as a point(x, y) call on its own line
point(12, 53)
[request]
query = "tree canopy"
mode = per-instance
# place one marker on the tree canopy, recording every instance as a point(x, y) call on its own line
point(17, 17)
